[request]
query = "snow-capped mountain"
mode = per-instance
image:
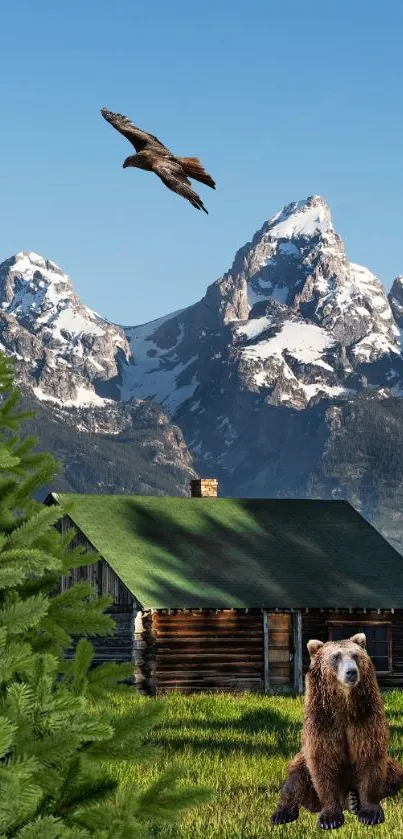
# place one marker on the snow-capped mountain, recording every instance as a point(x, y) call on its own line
point(259, 374)
point(296, 318)
point(292, 324)
point(67, 361)
point(66, 351)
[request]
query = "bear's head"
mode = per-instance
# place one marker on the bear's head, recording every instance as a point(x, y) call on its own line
point(347, 661)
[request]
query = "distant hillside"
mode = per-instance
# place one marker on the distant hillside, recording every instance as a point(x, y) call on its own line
point(149, 456)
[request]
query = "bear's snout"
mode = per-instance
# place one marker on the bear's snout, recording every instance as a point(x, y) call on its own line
point(351, 675)
point(345, 668)
point(348, 672)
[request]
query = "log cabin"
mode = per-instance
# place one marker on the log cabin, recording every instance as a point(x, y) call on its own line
point(223, 594)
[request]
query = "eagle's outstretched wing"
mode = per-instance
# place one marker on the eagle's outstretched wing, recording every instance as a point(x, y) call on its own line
point(173, 177)
point(140, 139)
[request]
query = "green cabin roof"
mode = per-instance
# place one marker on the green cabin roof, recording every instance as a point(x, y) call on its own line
point(175, 552)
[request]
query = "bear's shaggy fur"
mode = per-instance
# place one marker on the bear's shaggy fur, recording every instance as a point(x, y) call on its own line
point(343, 763)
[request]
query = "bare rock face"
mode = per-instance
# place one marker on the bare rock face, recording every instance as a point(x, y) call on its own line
point(395, 298)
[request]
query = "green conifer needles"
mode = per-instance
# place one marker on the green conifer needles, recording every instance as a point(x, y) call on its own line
point(59, 726)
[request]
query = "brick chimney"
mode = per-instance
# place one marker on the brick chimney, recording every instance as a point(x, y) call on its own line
point(204, 488)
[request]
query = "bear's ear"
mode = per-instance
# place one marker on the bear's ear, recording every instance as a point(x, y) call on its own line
point(313, 647)
point(359, 639)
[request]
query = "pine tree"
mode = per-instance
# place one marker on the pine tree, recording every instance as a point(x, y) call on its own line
point(58, 723)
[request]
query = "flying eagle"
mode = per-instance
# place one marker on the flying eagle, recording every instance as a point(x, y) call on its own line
point(153, 156)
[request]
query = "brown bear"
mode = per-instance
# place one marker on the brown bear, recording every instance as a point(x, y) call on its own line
point(343, 762)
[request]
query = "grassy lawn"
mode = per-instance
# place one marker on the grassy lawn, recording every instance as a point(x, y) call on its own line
point(240, 746)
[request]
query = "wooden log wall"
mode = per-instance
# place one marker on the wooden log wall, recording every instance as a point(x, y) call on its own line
point(315, 625)
point(99, 574)
point(144, 653)
point(208, 651)
point(117, 647)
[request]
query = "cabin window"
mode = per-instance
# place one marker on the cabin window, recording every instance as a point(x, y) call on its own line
point(379, 640)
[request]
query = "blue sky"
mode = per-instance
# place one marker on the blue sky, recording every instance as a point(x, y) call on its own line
point(279, 100)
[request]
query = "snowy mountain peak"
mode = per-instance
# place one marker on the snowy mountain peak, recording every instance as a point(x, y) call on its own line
point(299, 280)
point(62, 348)
point(37, 260)
point(30, 284)
point(301, 219)
point(27, 262)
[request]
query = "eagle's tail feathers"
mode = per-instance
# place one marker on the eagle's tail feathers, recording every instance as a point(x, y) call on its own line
point(195, 170)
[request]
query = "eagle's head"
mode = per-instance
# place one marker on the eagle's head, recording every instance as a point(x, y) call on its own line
point(130, 161)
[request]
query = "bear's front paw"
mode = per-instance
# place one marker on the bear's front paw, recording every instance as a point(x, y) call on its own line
point(283, 815)
point(371, 815)
point(330, 818)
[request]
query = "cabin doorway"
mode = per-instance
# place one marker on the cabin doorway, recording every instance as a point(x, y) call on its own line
point(278, 652)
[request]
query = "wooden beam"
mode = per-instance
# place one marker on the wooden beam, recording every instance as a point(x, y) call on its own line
point(297, 635)
point(266, 651)
point(138, 645)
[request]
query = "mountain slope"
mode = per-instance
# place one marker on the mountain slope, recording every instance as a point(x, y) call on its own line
point(147, 455)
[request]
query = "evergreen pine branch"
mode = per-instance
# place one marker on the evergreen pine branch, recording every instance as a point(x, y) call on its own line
point(32, 530)
point(85, 620)
point(49, 827)
point(76, 613)
point(16, 661)
point(60, 723)
point(19, 616)
point(7, 735)
point(86, 793)
point(7, 460)
point(33, 559)
point(108, 678)
point(77, 558)
point(131, 730)
point(162, 801)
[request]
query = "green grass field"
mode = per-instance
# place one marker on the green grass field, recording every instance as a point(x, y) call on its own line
point(240, 746)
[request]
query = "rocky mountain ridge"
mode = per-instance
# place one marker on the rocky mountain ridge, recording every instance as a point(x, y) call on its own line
point(67, 360)
point(297, 318)
point(293, 326)
point(260, 376)
point(64, 350)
